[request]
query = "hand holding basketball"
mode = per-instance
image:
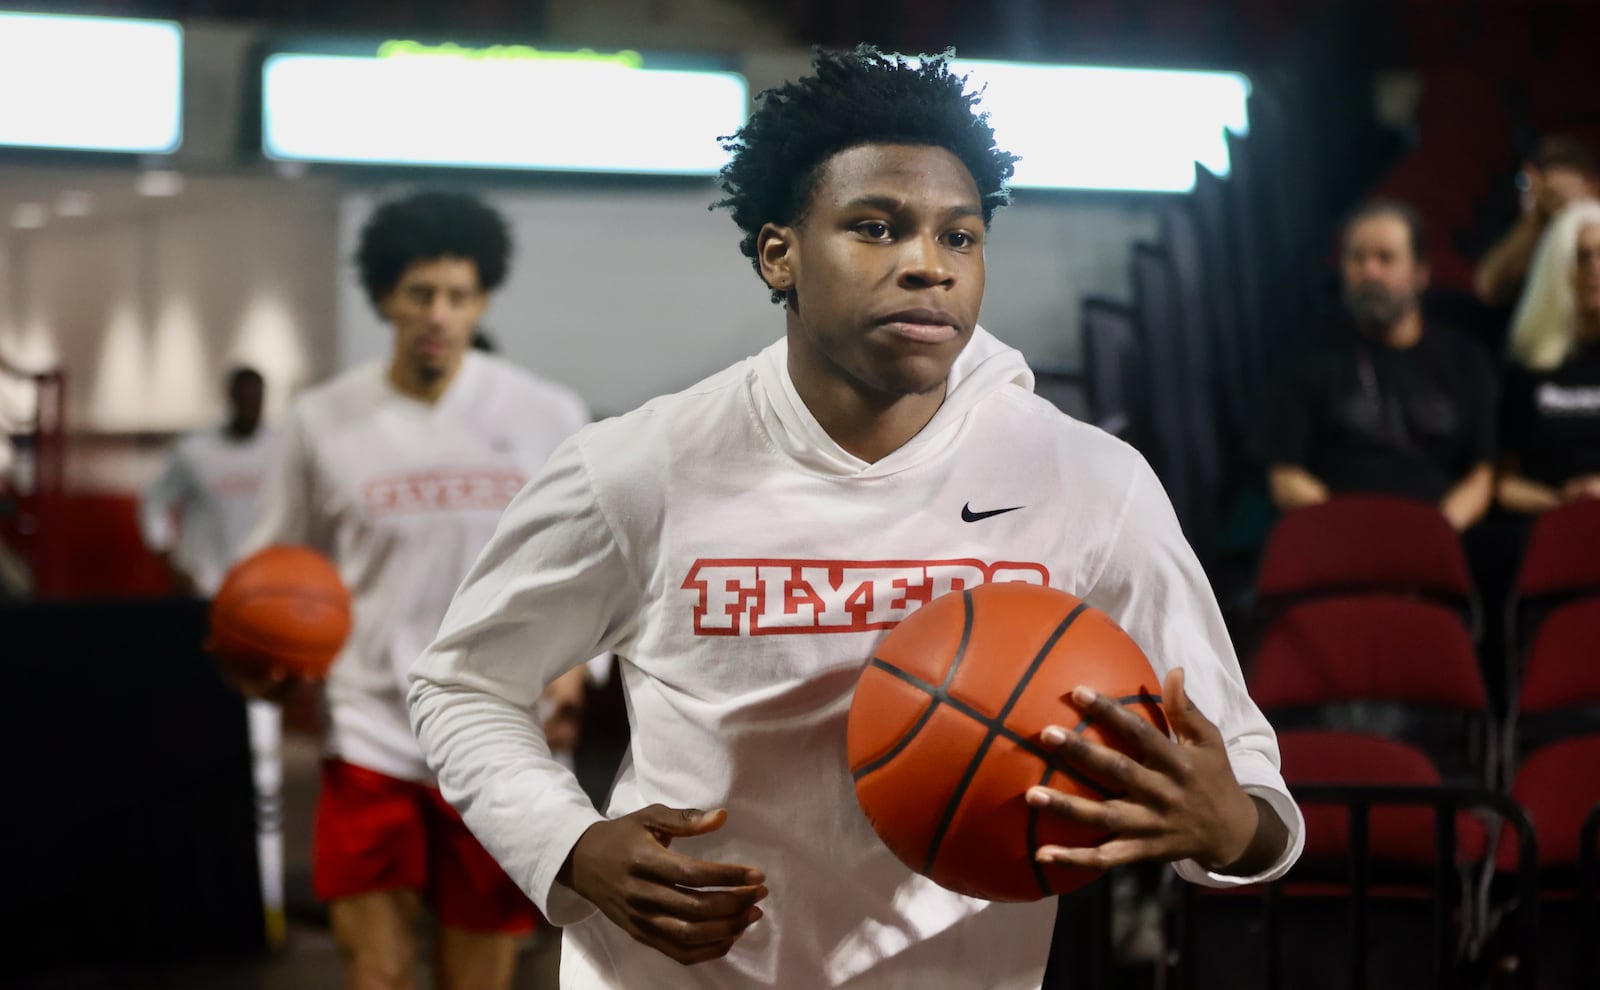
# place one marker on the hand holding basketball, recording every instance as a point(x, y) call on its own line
point(625, 868)
point(1180, 799)
point(281, 615)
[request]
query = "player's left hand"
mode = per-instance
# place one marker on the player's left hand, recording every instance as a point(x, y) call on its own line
point(1180, 797)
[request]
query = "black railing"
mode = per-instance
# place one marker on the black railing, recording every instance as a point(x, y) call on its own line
point(1584, 943)
point(1446, 803)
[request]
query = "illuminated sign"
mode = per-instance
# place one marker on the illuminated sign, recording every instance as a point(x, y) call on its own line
point(90, 83)
point(1090, 127)
point(503, 106)
point(504, 53)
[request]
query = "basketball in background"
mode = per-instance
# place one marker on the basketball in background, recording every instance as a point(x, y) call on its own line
point(281, 608)
point(944, 733)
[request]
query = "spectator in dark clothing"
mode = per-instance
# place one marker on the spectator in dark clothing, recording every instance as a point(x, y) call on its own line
point(1562, 170)
point(1388, 404)
point(1552, 409)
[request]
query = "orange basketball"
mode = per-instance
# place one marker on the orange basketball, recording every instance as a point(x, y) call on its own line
point(283, 607)
point(944, 734)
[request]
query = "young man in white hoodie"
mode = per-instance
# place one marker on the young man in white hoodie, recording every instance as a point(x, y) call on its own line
point(741, 546)
point(398, 470)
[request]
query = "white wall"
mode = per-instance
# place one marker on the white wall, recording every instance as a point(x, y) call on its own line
point(626, 294)
point(145, 313)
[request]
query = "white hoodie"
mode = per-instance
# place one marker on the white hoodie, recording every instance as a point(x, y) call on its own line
point(402, 495)
point(743, 566)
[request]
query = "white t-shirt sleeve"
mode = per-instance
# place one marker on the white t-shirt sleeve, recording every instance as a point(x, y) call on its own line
point(165, 494)
point(285, 506)
point(551, 590)
point(1152, 584)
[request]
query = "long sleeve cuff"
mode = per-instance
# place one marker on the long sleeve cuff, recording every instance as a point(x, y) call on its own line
point(1283, 805)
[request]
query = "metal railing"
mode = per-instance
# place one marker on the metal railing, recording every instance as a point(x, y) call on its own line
point(1446, 803)
point(1586, 948)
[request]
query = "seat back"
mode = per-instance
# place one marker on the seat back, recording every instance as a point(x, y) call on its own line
point(1395, 835)
point(1560, 564)
point(1364, 543)
point(1400, 668)
point(1559, 696)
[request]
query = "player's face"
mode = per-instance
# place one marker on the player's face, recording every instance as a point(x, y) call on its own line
point(886, 267)
point(1586, 270)
point(433, 309)
point(1382, 277)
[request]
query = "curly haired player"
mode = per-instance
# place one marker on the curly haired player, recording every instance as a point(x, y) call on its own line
point(398, 470)
point(741, 545)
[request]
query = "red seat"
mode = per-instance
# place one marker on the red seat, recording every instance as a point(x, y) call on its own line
point(1389, 666)
point(1354, 648)
point(1557, 785)
point(1564, 660)
point(1563, 552)
point(1557, 735)
point(1395, 835)
point(1364, 543)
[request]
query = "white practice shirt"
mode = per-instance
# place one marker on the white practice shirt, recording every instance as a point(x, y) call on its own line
point(200, 507)
point(743, 566)
point(403, 495)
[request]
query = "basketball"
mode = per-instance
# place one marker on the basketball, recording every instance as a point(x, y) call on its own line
point(281, 608)
point(944, 733)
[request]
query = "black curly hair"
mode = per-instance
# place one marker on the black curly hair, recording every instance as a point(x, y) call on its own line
point(853, 98)
point(429, 225)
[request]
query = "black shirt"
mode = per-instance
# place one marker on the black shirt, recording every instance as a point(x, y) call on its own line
point(1363, 417)
point(1552, 418)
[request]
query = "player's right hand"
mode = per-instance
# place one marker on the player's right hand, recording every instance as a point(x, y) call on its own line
point(251, 676)
point(688, 909)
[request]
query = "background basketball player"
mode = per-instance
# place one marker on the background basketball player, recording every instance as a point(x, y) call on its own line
point(398, 470)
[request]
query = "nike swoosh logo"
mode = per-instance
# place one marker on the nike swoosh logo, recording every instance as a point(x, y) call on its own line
point(967, 515)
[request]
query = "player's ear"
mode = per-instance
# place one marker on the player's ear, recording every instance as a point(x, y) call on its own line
point(775, 254)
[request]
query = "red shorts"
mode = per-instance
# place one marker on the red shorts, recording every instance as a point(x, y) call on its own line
point(374, 832)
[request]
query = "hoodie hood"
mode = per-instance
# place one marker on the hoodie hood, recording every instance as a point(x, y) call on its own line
point(985, 366)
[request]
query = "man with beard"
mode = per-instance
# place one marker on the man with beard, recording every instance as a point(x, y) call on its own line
point(1391, 405)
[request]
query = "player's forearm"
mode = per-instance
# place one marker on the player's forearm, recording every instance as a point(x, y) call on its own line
point(495, 767)
point(1266, 846)
point(1294, 487)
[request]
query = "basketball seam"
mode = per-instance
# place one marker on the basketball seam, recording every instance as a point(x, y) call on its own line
point(961, 647)
point(1022, 742)
point(955, 661)
point(906, 737)
point(996, 725)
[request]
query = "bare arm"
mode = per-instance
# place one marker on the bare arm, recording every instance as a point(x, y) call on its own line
point(1517, 492)
point(1502, 270)
point(1293, 487)
point(1466, 503)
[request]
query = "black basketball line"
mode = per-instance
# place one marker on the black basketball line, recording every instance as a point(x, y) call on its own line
point(910, 734)
point(995, 727)
point(966, 637)
point(942, 697)
point(1032, 813)
point(1033, 840)
point(942, 690)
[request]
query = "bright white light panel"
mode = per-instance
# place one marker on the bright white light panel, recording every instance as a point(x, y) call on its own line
point(530, 113)
point(1088, 127)
point(90, 83)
